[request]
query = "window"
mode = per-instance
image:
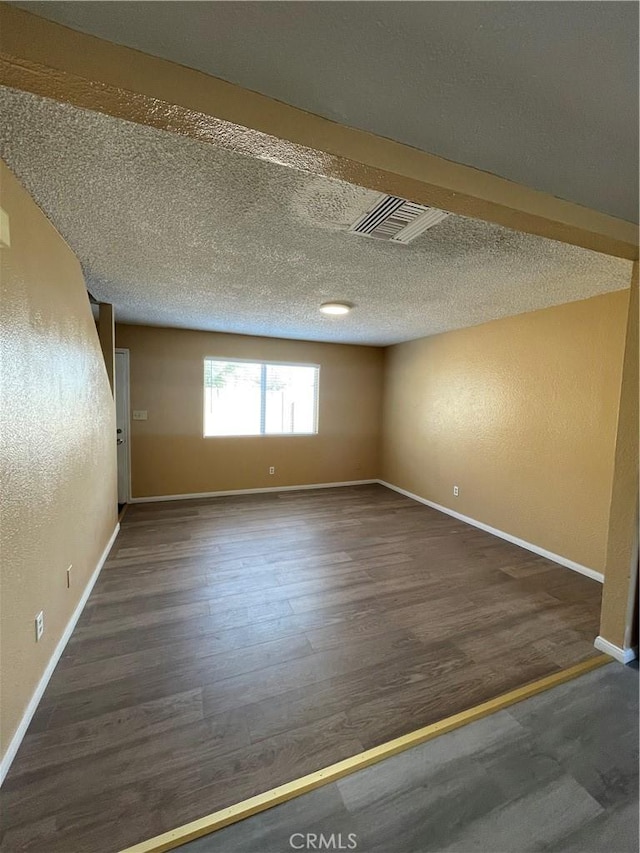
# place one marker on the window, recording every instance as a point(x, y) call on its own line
point(260, 398)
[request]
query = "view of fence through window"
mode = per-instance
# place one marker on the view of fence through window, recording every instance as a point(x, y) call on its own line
point(259, 398)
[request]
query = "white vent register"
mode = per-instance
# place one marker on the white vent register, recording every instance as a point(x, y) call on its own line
point(397, 220)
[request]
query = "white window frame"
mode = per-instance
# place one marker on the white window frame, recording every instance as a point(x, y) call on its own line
point(263, 364)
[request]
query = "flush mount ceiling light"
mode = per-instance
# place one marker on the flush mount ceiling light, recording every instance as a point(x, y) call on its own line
point(335, 308)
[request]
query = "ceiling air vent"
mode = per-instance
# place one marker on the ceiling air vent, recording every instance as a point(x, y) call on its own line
point(397, 220)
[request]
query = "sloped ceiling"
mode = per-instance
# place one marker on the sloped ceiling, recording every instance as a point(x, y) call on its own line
point(179, 233)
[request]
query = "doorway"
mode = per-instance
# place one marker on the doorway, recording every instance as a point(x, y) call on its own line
point(122, 426)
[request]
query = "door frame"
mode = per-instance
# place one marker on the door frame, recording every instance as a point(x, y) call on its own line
point(127, 412)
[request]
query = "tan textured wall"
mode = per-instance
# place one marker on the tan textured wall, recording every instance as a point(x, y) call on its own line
point(57, 427)
point(622, 544)
point(170, 455)
point(519, 413)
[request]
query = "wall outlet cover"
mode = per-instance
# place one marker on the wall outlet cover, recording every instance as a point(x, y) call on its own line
point(39, 625)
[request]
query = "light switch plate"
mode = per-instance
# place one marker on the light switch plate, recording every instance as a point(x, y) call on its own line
point(140, 415)
point(5, 234)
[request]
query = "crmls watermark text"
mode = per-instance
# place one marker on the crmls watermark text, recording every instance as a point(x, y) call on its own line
point(320, 841)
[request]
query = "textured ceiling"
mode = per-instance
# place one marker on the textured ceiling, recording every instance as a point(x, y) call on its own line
point(179, 233)
point(545, 94)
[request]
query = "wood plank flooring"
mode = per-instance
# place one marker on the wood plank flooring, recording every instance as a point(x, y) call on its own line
point(558, 772)
point(234, 644)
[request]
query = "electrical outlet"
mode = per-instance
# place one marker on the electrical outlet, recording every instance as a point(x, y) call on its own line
point(69, 576)
point(272, 470)
point(39, 626)
point(140, 415)
point(456, 491)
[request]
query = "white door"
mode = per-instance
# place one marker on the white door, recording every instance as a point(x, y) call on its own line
point(122, 423)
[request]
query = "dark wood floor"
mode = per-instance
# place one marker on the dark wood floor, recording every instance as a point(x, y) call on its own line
point(558, 772)
point(234, 644)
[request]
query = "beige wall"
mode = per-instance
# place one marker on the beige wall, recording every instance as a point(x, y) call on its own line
point(170, 455)
point(622, 545)
point(521, 414)
point(58, 498)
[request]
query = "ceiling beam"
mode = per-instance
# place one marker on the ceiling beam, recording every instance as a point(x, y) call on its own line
point(53, 61)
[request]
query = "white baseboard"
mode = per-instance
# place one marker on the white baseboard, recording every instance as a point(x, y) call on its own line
point(549, 555)
point(197, 495)
point(621, 655)
point(30, 710)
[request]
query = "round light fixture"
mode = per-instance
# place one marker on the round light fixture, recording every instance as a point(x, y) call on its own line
point(335, 308)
